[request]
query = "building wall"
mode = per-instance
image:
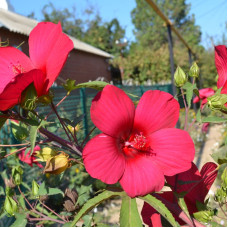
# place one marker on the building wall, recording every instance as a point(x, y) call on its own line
point(80, 66)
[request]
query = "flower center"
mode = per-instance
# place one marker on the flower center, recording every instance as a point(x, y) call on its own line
point(16, 68)
point(136, 145)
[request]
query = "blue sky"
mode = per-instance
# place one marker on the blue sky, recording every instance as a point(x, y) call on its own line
point(211, 15)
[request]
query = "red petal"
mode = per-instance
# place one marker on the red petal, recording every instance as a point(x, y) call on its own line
point(141, 176)
point(208, 175)
point(12, 92)
point(112, 111)
point(221, 64)
point(49, 48)
point(156, 110)
point(150, 216)
point(12, 63)
point(206, 92)
point(174, 150)
point(103, 159)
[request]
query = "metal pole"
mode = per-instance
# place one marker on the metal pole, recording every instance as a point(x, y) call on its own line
point(83, 105)
point(170, 40)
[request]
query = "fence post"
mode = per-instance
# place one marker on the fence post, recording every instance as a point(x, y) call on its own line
point(83, 105)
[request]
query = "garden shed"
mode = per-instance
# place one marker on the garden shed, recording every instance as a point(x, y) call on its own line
point(84, 63)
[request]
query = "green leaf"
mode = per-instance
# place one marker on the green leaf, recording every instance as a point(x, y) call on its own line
point(213, 119)
point(3, 119)
point(98, 85)
point(181, 202)
point(220, 156)
point(33, 134)
point(20, 131)
point(129, 215)
point(90, 204)
point(189, 87)
point(198, 116)
point(69, 85)
point(44, 190)
point(21, 220)
point(161, 208)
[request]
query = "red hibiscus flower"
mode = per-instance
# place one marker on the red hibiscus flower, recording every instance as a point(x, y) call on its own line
point(30, 159)
point(48, 50)
point(203, 95)
point(221, 66)
point(197, 191)
point(138, 146)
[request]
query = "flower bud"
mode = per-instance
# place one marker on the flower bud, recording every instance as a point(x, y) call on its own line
point(29, 98)
point(217, 102)
point(10, 205)
point(45, 154)
point(57, 164)
point(35, 188)
point(17, 175)
point(77, 128)
point(180, 77)
point(194, 71)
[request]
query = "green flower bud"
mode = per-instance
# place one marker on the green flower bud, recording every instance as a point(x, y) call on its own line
point(180, 77)
point(194, 70)
point(217, 102)
point(17, 175)
point(204, 216)
point(35, 188)
point(10, 206)
point(29, 98)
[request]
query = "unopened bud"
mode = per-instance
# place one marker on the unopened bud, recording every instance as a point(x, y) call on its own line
point(9, 182)
point(17, 175)
point(217, 102)
point(35, 188)
point(29, 98)
point(57, 164)
point(45, 154)
point(194, 71)
point(10, 205)
point(76, 129)
point(180, 77)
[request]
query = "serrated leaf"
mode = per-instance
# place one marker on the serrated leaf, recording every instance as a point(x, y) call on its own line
point(98, 85)
point(44, 190)
point(161, 208)
point(69, 85)
point(129, 215)
point(21, 220)
point(90, 204)
point(213, 119)
point(20, 132)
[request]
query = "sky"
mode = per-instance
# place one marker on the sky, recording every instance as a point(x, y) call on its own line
point(210, 15)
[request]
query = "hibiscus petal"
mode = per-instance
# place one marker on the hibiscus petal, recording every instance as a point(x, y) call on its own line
point(49, 48)
point(11, 95)
point(112, 111)
point(209, 174)
point(12, 63)
point(141, 176)
point(156, 110)
point(174, 150)
point(221, 64)
point(103, 159)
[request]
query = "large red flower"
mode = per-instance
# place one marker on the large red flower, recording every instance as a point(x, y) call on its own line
point(203, 95)
point(221, 65)
point(198, 187)
point(30, 159)
point(48, 50)
point(138, 146)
